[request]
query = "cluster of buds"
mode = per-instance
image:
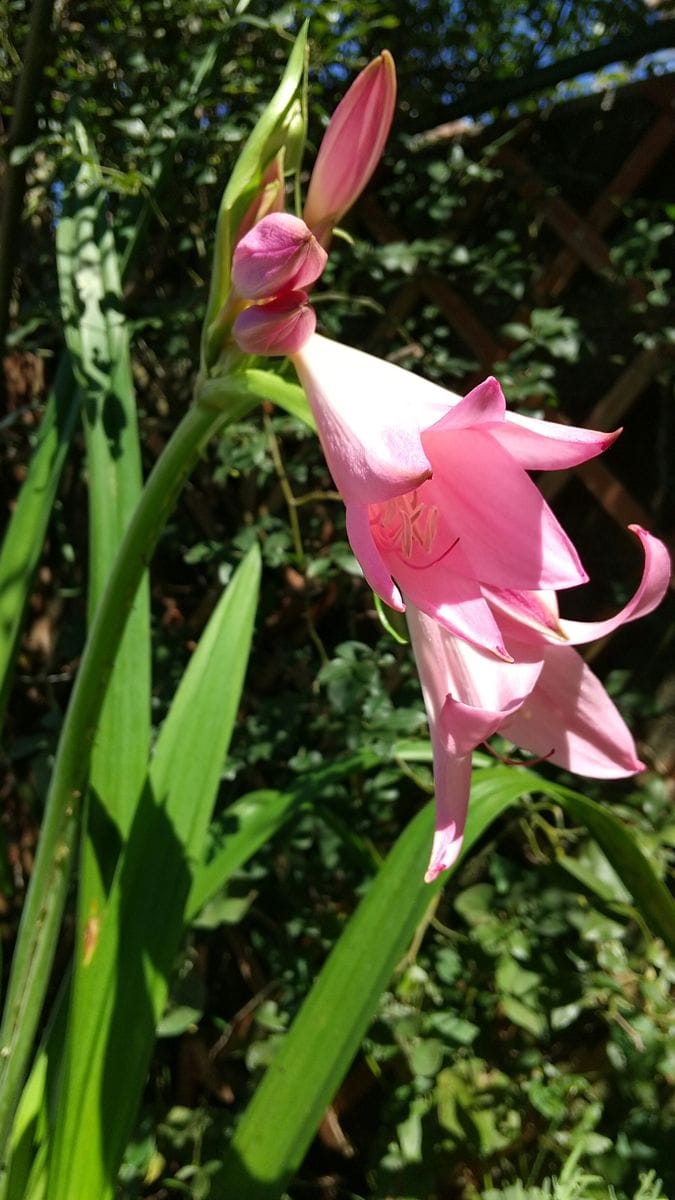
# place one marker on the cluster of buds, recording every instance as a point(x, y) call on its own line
point(279, 258)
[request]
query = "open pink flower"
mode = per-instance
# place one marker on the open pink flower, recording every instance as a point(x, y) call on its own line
point(545, 699)
point(438, 501)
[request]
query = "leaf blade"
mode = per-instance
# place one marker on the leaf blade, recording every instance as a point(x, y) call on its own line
point(125, 977)
point(280, 1121)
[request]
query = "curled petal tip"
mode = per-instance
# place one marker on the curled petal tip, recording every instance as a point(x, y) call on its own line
point(444, 853)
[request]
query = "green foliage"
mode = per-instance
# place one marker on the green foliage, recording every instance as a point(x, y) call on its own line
point(523, 1048)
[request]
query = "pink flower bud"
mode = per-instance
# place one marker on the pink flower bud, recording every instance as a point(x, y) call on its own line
point(352, 145)
point(280, 327)
point(279, 254)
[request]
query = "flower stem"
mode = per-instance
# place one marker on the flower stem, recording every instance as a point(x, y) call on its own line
point(45, 901)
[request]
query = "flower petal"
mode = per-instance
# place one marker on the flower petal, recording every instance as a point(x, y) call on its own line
point(651, 590)
point(279, 327)
point(535, 615)
point(369, 414)
point(374, 568)
point(455, 602)
point(508, 533)
point(456, 728)
point(529, 614)
point(570, 719)
point(547, 445)
point(484, 404)
point(278, 254)
point(452, 782)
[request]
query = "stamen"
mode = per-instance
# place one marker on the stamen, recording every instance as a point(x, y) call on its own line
point(407, 522)
point(405, 535)
point(431, 528)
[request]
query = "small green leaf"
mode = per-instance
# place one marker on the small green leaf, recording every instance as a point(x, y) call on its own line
point(289, 396)
point(514, 979)
point(524, 1015)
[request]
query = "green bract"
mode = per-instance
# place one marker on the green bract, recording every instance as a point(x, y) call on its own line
point(281, 126)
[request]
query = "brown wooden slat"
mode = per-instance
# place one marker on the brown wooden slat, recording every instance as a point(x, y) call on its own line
point(611, 409)
point(579, 236)
point(634, 170)
point(616, 500)
point(459, 315)
point(464, 321)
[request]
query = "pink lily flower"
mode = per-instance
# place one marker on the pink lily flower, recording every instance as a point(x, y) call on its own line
point(438, 501)
point(546, 700)
point(352, 146)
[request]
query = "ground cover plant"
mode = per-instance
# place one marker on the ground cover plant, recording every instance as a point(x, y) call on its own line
point(226, 974)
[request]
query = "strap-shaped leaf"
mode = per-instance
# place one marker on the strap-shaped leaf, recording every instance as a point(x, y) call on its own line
point(126, 958)
point(27, 528)
point(285, 1112)
point(98, 340)
point(652, 898)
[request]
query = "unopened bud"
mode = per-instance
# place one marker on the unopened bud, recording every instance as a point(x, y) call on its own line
point(280, 327)
point(268, 199)
point(278, 254)
point(352, 145)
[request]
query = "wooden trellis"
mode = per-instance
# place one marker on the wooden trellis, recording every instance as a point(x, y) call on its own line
point(583, 239)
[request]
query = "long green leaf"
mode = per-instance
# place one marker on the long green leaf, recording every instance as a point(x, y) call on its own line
point(18, 559)
point(27, 528)
point(21, 1177)
point(43, 909)
point(651, 896)
point(98, 340)
point(127, 959)
point(283, 1116)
